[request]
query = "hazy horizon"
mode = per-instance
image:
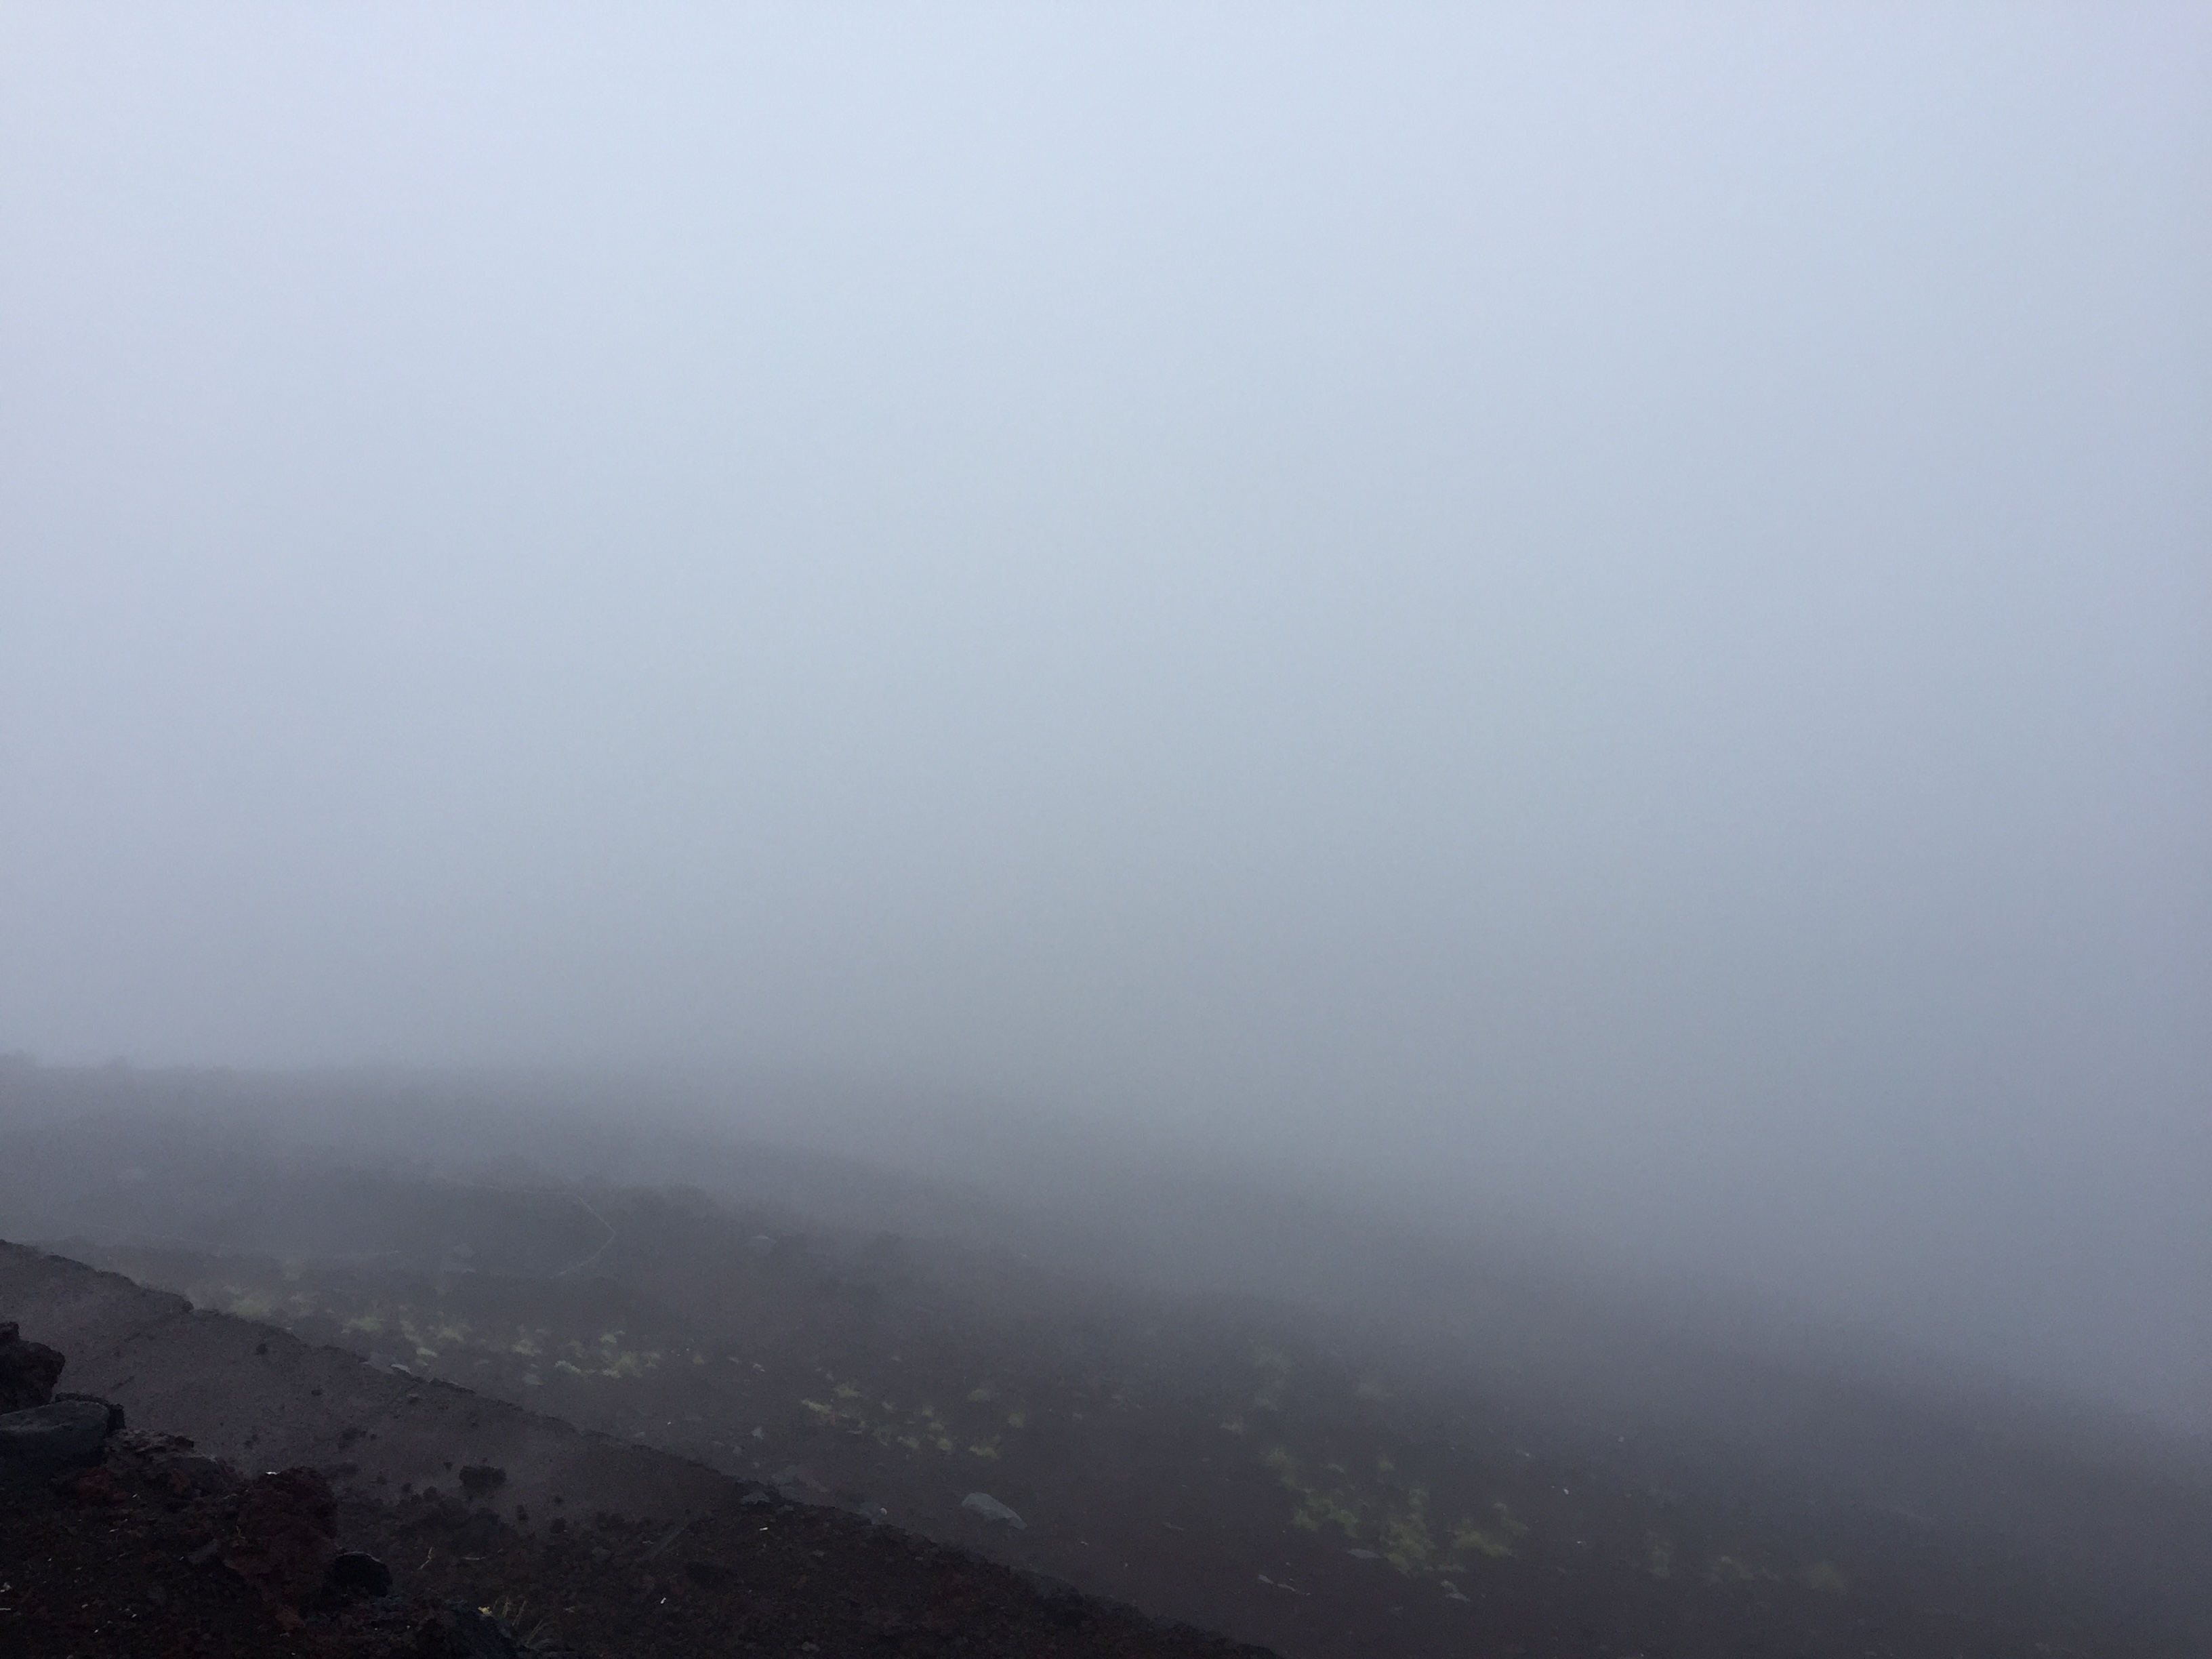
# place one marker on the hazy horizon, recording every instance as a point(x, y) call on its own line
point(1605, 610)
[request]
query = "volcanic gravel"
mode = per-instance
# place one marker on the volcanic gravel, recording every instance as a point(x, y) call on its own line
point(159, 1551)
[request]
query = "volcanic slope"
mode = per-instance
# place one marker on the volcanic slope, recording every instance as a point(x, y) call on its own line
point(1213, 1460)
point(147, 1546)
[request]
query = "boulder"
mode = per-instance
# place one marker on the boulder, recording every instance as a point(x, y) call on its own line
point(29, 1370)
point(48, 1439)
point(116, 1418)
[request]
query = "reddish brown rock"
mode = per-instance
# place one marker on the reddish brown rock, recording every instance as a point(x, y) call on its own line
point(287, 1537)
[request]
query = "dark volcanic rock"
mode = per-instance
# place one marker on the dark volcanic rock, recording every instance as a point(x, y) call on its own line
point(285, 1545)
point(47, 1439)
point(118, 1419)
point(121, 1560)
point(29, 1370)
point(356, 1573)
point(480, 1479)
point(464, 1631)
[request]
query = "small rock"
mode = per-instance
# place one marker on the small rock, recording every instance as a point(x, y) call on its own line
point(982, 1504)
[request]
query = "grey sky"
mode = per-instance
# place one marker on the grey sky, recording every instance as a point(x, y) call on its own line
point(1607, 604)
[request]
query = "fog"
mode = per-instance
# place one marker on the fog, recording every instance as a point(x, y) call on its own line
point(1596, 617)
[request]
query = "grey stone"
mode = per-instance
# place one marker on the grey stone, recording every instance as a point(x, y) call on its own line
point(44, 1438)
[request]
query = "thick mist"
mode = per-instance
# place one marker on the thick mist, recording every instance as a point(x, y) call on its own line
point(1597, 617)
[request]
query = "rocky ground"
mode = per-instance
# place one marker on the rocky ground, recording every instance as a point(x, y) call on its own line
point(1225, 1473)
point(132, 1542)
point(1486, 1464)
